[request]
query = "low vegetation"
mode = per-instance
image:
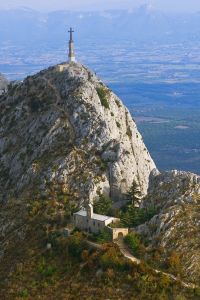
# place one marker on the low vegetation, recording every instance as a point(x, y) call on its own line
point(133, 241)
point(129, 133)
point(70, 270)
point(102, 237)
point(103, 94)
point(118, 124)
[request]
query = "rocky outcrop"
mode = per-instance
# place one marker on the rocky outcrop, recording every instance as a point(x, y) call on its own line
point(63, 131)
point(3, 84)
point(176, 225)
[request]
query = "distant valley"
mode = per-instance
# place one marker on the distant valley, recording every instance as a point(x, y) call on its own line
point(170, 125)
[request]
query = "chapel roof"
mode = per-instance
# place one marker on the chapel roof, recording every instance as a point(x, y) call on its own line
point(97, 217)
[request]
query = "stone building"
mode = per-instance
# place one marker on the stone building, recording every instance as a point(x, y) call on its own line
point(87, 220)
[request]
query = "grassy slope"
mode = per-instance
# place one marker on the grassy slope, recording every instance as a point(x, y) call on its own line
point(69, 271)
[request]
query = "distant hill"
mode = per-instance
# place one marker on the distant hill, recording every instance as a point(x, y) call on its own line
point(141, 25)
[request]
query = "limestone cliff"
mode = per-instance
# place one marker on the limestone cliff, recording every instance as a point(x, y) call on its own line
point(63, 131)
point(176, 225)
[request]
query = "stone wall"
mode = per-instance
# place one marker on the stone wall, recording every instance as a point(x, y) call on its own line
point(118, 232)
point(87, 224)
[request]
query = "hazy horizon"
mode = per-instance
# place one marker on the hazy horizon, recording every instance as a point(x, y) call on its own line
point(176, 6)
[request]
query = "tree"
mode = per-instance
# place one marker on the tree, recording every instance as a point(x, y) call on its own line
point(128, 216)
point(76, 244)
point(134, 194)
point(103, 205)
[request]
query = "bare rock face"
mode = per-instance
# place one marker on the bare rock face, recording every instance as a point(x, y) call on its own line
point(63, 132)
point(176, 225)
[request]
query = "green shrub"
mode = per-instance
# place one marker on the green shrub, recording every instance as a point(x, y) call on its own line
point(133, 242)
point(35, 208)
point(23, 293)
point(85, 141)
point(174, 263)
point(102, 237)
point(45, 270)
point(76, 244)
point(103, 166)
point(129, 133)
point(197, 291)
point(103, 94)
point(113, 259)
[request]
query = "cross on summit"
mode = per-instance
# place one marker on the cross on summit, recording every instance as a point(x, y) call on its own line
point(71, 47)
point(71, 31)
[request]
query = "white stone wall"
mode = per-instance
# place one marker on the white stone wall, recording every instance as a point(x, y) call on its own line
point(111, 220)
point(87, 224)
point(116, 232)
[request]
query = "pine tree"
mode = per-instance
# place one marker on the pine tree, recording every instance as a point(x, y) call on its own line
point(103, 205)
point(134, 194)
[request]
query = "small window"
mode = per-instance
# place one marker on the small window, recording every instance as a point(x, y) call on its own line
point(94, 223)
point(98, 225)
point(87, 221)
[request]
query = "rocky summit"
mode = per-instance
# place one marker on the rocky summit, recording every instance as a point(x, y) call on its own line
point(63, 130)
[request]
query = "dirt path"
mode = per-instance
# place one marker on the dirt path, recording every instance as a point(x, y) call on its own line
point(125, 251)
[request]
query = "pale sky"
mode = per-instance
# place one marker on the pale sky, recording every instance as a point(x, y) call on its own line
point(48, 5)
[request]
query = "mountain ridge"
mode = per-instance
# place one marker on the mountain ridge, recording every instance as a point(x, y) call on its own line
point(65, 140)
point(48, 27)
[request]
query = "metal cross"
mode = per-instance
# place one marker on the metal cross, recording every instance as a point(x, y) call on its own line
point(71, 34)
